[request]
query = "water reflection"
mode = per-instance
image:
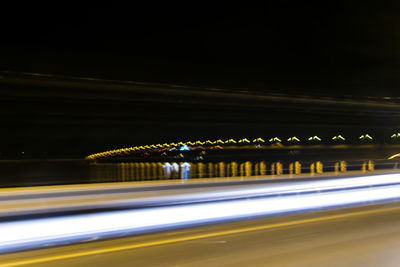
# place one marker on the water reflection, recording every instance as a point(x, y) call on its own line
point(142, 171)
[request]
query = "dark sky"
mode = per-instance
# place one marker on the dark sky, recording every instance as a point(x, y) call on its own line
point(329, 48)
point(308, 44)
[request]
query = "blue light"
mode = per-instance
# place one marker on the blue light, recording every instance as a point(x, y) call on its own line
point(184, 148)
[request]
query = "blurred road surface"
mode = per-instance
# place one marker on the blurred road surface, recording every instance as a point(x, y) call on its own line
point(364, 236)
point(66, 199)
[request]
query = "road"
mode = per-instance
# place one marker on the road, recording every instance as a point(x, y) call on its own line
point(205, 224)
point(67, 199)
point(367, 236)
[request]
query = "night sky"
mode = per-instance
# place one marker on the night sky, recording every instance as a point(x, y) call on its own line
point(312, 48)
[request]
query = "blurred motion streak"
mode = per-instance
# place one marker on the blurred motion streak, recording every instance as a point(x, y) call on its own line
point(35, 233)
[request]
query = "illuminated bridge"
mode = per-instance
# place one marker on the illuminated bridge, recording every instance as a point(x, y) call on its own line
point(292, 142)
point(258, 157)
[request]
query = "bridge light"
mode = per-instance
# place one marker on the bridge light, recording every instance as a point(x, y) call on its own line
point(293, 139)
point(314, 138)
point(365, 136)
point(275, 139)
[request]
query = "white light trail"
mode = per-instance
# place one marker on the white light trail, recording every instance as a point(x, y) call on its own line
point(59, 230)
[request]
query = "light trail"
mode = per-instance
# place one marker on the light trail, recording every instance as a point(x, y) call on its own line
point(47, 204)
point(61, 230)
